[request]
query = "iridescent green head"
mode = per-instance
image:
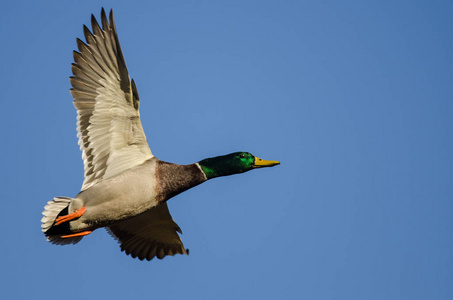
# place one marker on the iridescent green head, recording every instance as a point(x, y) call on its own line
point(234, 163)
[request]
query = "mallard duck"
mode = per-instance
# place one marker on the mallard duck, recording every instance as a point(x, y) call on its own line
point(125, 187)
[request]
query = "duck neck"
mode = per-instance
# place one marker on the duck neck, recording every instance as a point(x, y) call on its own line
point(174, 179)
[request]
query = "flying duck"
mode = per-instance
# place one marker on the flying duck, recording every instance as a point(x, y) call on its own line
point(125, 187)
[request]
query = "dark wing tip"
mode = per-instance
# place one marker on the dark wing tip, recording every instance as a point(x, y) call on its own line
point(135, 95)
point(112, 20)
point(87, 33)
point(105, 24)
point(81, 45)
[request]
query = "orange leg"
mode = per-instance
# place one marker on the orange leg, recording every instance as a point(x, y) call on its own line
point(82, 233)
point(77, 214)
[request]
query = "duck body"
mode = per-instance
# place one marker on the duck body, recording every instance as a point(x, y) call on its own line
point(115, 199)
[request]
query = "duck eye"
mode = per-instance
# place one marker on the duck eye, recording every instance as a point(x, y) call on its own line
point(241, 155)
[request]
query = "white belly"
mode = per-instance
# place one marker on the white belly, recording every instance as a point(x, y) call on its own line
point(117, 198)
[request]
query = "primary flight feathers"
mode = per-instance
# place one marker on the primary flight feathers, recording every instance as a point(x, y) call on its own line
point(110, 133)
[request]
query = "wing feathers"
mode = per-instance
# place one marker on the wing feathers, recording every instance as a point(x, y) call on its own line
point(103, 49)
point(125, 86)
point(82, 85)
point(110, 132)
point(83, 71)
point(148, 235)
point(135, 94)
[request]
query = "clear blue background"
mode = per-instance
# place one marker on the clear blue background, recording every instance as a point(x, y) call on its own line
point(355, 98)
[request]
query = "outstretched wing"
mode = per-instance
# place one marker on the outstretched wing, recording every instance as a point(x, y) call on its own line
point(150, 234)
point(110, 133)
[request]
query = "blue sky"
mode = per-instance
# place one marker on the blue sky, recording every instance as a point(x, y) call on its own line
point(353, 97)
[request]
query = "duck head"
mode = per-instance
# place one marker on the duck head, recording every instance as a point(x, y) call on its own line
point(234, 163)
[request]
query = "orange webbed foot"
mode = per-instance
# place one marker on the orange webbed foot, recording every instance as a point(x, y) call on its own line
point(77, 214)
point(82, 233)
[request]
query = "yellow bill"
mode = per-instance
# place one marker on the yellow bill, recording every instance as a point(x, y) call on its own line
point(261, 163)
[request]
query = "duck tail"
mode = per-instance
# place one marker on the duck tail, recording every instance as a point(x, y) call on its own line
point(55, 207)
